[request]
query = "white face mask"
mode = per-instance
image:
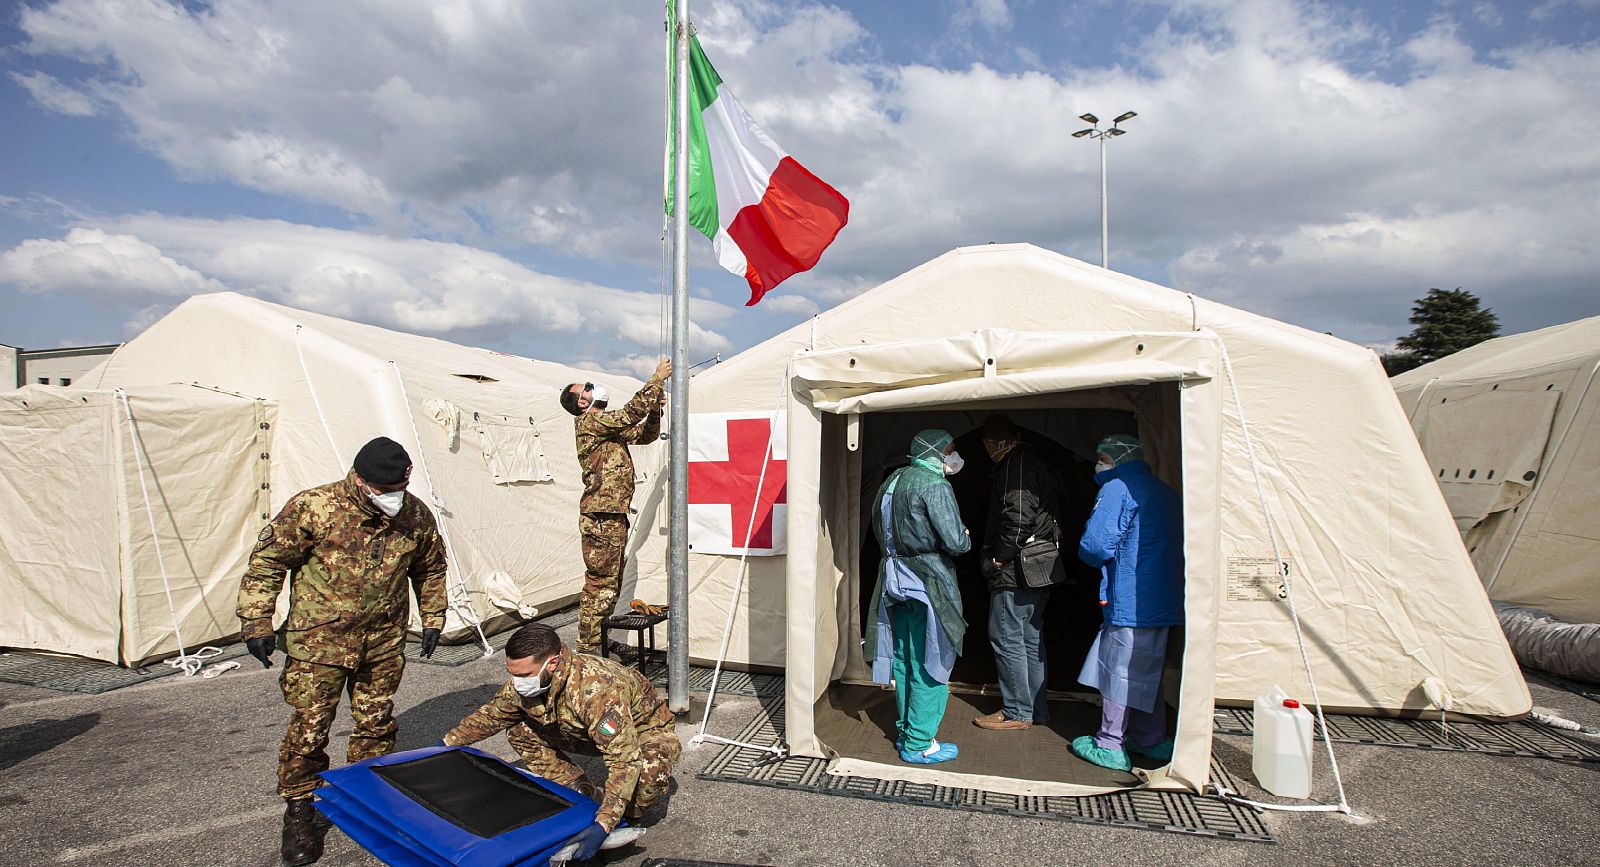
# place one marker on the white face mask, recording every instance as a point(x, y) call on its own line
point(953, 463)
point(1102, 467)
point(389, 503)
point(531, 687)
point(598, 395)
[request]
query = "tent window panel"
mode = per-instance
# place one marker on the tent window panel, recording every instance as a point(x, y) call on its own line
point(1489, 427)
point(512, 451)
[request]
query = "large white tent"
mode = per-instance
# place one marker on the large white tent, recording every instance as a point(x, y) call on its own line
point(493, 449)
point(126, 517)
point(1511, 430)
point(1385, 591)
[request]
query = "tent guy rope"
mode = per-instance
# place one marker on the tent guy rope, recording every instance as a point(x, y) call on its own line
point(780, 749)
point(1294, 616)
point(460, 600)
point(188, 663)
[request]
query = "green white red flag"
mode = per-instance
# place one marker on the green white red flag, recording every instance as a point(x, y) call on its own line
point(767, 216)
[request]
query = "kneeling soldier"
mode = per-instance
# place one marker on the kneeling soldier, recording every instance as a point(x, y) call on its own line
point(558, 701)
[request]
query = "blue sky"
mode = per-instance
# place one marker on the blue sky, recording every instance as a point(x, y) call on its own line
point(490, 173)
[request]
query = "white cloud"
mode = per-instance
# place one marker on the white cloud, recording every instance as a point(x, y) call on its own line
point(50, 94)
point(408, 284)
point(92, 260)
point(989, 14)
point(798, 305)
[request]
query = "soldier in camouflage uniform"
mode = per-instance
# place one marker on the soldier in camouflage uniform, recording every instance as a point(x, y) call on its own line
point(603, 440)
point(559, 702)
point(353, 548)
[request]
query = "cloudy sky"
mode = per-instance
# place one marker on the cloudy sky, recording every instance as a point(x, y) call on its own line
point(489, 171)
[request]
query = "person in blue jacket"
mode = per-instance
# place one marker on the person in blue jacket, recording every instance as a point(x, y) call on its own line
point(1135, 537)
point(915, 625)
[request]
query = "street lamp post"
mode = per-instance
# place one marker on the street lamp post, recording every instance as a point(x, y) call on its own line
point(1094, 131)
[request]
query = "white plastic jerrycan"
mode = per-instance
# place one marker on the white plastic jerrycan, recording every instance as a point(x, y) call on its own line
point(1281, 748)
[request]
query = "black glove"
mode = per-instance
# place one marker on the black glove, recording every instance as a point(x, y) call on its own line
point(430, 641)
point(261, 648)
point(588, 840)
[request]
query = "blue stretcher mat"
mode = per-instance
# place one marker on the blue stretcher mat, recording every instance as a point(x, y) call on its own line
point(452, 807)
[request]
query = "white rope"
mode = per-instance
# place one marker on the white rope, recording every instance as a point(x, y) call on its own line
point(333, 449)
point(781, 750)
point(1288, 590)
point(456, 594)
point(188, 663)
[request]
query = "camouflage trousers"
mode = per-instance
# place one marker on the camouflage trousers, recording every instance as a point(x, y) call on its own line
point(313, 690)
point(547, 758)
point(605, 539)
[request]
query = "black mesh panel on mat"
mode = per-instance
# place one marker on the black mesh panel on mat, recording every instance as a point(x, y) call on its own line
point(476, 794)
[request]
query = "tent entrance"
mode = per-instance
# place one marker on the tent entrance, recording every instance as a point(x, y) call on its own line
point(856, 718)
point(853, 410)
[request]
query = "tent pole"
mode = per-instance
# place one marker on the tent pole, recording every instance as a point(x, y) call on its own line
point(678, 521)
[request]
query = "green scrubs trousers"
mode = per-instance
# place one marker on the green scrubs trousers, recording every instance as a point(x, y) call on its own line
point(919, 698)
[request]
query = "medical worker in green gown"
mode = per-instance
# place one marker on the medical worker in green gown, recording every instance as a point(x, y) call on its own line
point(915, 626)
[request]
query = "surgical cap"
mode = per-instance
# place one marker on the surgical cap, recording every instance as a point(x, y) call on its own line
point(1120, 448)
point(928, 446)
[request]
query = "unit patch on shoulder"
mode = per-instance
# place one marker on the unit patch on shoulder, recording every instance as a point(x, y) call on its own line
point(266, 534)
point(608, 727)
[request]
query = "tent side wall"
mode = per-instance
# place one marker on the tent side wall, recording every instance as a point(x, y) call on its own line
point(1511, 428)
point(60, 566)
point(196, 465)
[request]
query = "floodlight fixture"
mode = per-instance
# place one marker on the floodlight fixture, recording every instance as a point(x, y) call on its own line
point(1095, 132)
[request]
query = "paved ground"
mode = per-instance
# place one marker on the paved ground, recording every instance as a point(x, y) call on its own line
point(181, 772)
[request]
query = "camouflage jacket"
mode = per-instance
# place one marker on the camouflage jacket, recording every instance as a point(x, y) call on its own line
point(348, 600)
point(603, 440)
point(590, 700)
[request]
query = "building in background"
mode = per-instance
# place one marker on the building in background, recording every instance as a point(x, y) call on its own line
point(62, 366)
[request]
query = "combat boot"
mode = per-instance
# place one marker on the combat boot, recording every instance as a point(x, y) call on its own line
point(302, 839)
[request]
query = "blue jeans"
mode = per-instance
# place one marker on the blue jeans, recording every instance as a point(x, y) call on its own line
point(1016, 618)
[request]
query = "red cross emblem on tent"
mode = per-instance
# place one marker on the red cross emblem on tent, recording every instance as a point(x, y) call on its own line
point(726, 453)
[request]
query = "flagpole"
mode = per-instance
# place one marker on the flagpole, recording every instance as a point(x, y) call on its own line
point(678, 522)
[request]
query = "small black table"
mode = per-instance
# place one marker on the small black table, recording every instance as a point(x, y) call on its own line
point(641, 625)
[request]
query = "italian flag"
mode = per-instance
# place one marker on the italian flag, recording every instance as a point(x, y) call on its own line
point(767, 217)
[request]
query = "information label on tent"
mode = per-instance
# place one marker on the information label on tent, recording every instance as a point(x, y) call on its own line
point(1257, 579)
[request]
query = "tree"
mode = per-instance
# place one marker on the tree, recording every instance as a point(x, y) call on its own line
point(1444, 322)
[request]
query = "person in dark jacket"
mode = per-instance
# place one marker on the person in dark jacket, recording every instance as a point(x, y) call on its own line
point(1018, 560)
point(1135, 538)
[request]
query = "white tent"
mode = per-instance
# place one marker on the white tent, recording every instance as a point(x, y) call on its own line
point(116, 536)
point(493, 449)
point(1385, 592)
point(1511, 430)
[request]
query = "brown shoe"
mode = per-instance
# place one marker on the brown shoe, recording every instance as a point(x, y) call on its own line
point(997, 722)
point(302, 840)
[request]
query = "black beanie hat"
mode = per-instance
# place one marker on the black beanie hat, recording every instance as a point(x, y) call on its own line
point(382, 462)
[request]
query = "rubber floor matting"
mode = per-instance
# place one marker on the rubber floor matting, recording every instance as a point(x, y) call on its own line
point(75, 674)
point(1522, 738)
point(1174, 812)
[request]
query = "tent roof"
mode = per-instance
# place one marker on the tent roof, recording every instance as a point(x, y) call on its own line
point(1555, 347)
point(378, 344)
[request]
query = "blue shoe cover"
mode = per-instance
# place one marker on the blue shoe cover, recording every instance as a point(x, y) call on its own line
point(1161, 751)
point(1085, 748)
point(944, 753)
